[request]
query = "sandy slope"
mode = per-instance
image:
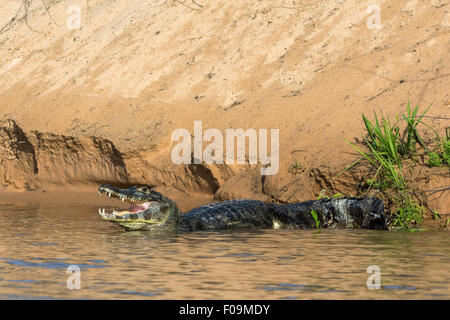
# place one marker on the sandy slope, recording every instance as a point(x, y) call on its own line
point(137, 70)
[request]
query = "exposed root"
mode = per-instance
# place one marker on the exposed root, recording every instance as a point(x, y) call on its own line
point(22, 14)
point(187, 6)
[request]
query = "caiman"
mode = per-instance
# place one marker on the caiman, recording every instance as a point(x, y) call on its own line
point(150, 210)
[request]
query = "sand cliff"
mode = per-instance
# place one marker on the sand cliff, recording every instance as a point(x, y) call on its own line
point(135, 71)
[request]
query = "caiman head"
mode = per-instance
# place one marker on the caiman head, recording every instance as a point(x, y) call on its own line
point(149, 210)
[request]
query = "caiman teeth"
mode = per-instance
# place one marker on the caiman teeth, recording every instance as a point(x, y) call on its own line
point(111, 194)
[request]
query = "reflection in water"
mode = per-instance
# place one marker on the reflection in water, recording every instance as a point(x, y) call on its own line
point(38, 244)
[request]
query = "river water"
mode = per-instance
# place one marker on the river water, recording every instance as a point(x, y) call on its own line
point(38, 244)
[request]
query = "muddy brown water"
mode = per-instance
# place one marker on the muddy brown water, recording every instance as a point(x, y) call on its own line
point(38, 244)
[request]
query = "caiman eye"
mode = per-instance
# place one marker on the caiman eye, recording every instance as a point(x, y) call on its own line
point(144, 189)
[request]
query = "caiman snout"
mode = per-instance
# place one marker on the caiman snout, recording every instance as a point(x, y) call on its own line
point(146, 206)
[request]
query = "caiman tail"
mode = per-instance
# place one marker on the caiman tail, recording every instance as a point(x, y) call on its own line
point(365, 213)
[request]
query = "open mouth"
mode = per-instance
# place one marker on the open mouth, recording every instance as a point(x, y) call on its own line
point(136, 205)
point(134, 208)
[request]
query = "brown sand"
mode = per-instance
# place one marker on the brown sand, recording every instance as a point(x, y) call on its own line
point(138, 70)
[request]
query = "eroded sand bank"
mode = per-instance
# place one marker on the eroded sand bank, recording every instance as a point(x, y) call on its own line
point(112, 92)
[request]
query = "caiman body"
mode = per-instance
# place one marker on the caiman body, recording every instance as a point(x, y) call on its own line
point(150, 210)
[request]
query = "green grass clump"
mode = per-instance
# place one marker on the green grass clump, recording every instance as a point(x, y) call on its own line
point(385, 138)
point(408, 212)
point(387, 145)
point(388, 167)
point(441, 155)
point(434, 160)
